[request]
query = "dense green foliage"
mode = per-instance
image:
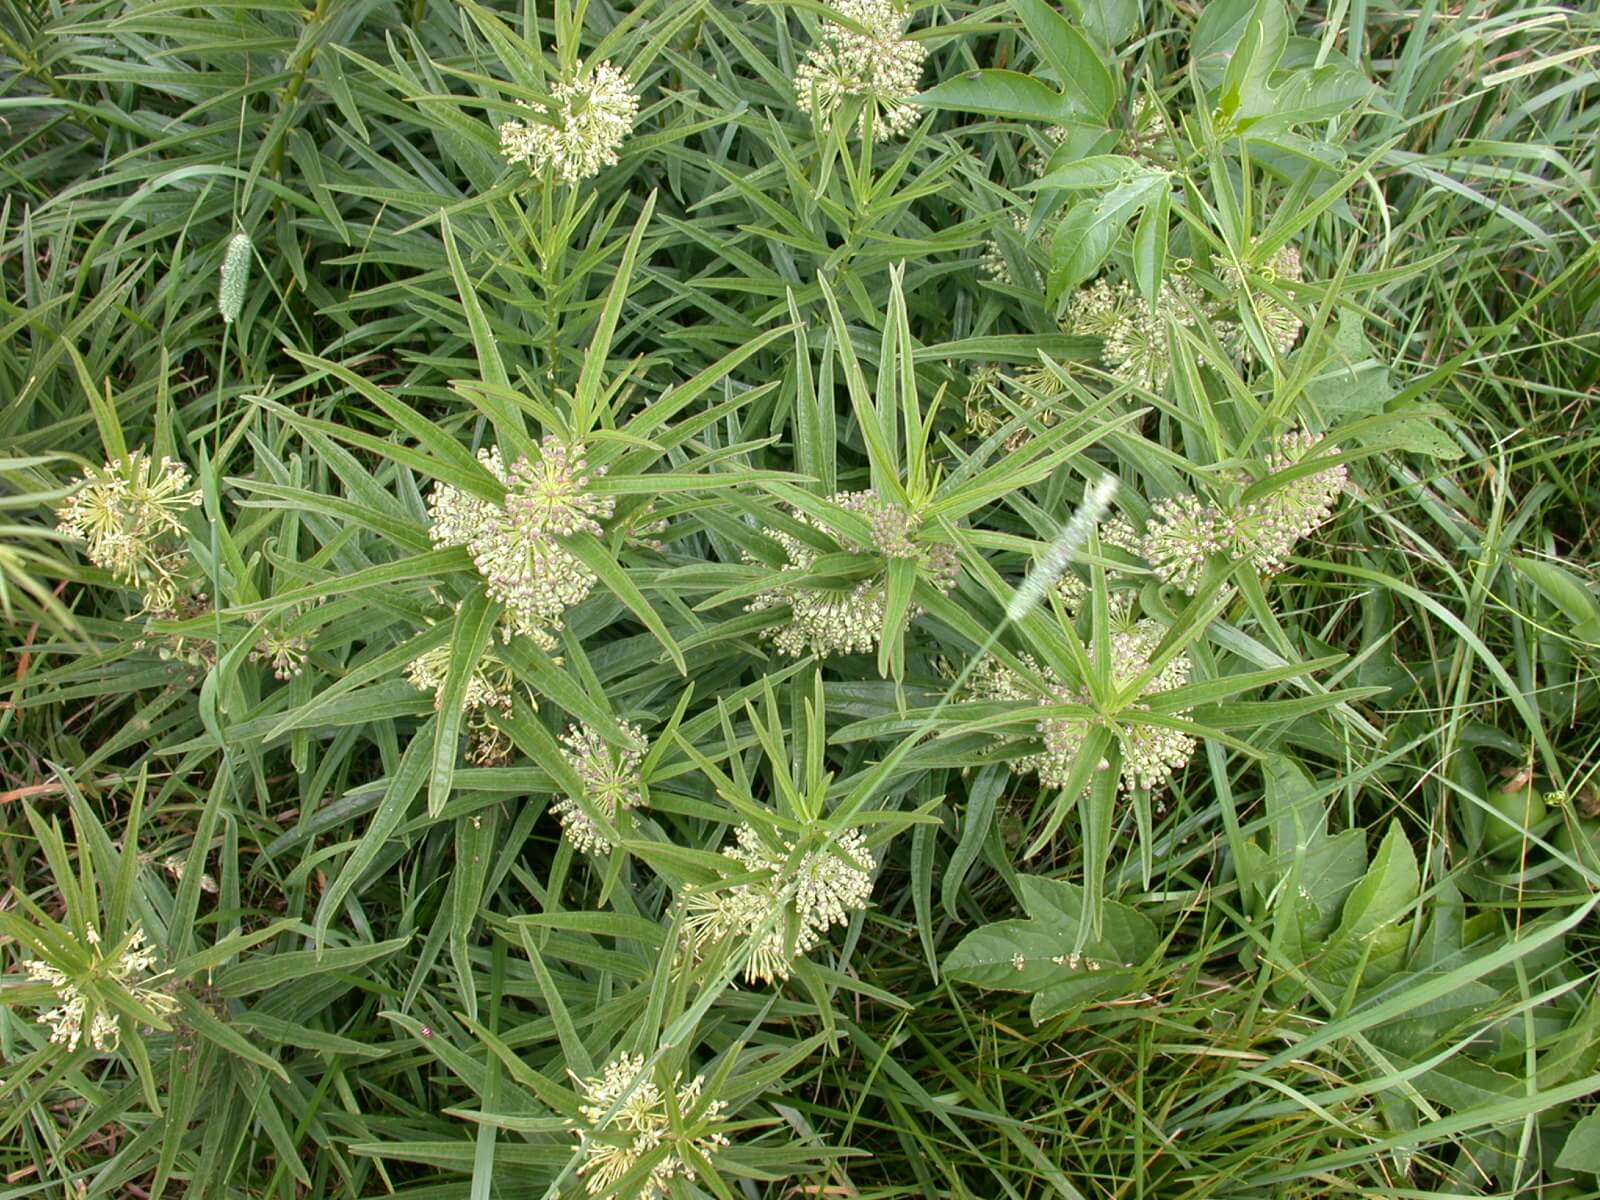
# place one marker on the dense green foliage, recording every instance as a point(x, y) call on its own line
point(770, 599)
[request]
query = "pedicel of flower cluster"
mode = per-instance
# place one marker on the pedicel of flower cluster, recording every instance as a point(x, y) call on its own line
point(1278, 322)
point(786, 915)
point(1186, 531)
point(515, 544)
point(130, 515)
point(611, 783)
point(1137, 336)
point(612, 1143)
point(878, 65)
point(128, 968)
point(592, 111)
point(827, 621)
point(1151, 754)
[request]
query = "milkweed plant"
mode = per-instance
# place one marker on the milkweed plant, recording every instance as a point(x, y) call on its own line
point(736, 599)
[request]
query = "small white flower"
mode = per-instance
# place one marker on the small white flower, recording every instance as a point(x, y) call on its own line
point(1280, 323)
point(1151, 754)
point(1137, 336)
point(829, 620)
point(129, 968)
point(491, 684)
point(878, 65)
point(612, 1142)
point(591, 113)
point(610, 781)
point(130, 515)
point(1187, 532)
point(515, 544)
point(785, 915)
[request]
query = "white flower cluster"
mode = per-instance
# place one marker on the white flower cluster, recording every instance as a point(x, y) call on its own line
point(785, 915)
point(130, 515)
point(1137, 336)
point(993, 260)
point(591, 114)
point(875, 64)
point(610, 781)
point(1149, 130)
point(1151, 754)
point(177, 865)
point(1278, 322)
point(643, 1123)
point(515, 544)
point(986, 412)
point(1187, 531)
point(826, 621)
point(491, 684)
point(127, 969)
point(285, 653)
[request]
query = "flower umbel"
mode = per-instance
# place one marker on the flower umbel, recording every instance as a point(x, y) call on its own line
point(876, 64)
point(129, 514)
point(591, 113)
point(625, 1118)
point(1151, 754)
point(1137, 335)
point(285, 653)
point(549, 496)
point(126, 968)
point(514, 544)
point(1279, 323)
point(785, 915)
point(610, 781)
point(829, 620)
point(491, 684)
point(1186, 531)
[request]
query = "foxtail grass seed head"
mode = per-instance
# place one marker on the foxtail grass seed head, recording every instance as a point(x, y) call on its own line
point(785, 915)
point(626, 1115)
point(127, 968)
point(876, 64)
point(235, 283)
point(1063, 548)
point(611, 783)
point(591, 113)
point(129, 514)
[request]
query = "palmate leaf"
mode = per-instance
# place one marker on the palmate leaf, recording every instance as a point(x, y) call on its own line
point(1053, 954)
